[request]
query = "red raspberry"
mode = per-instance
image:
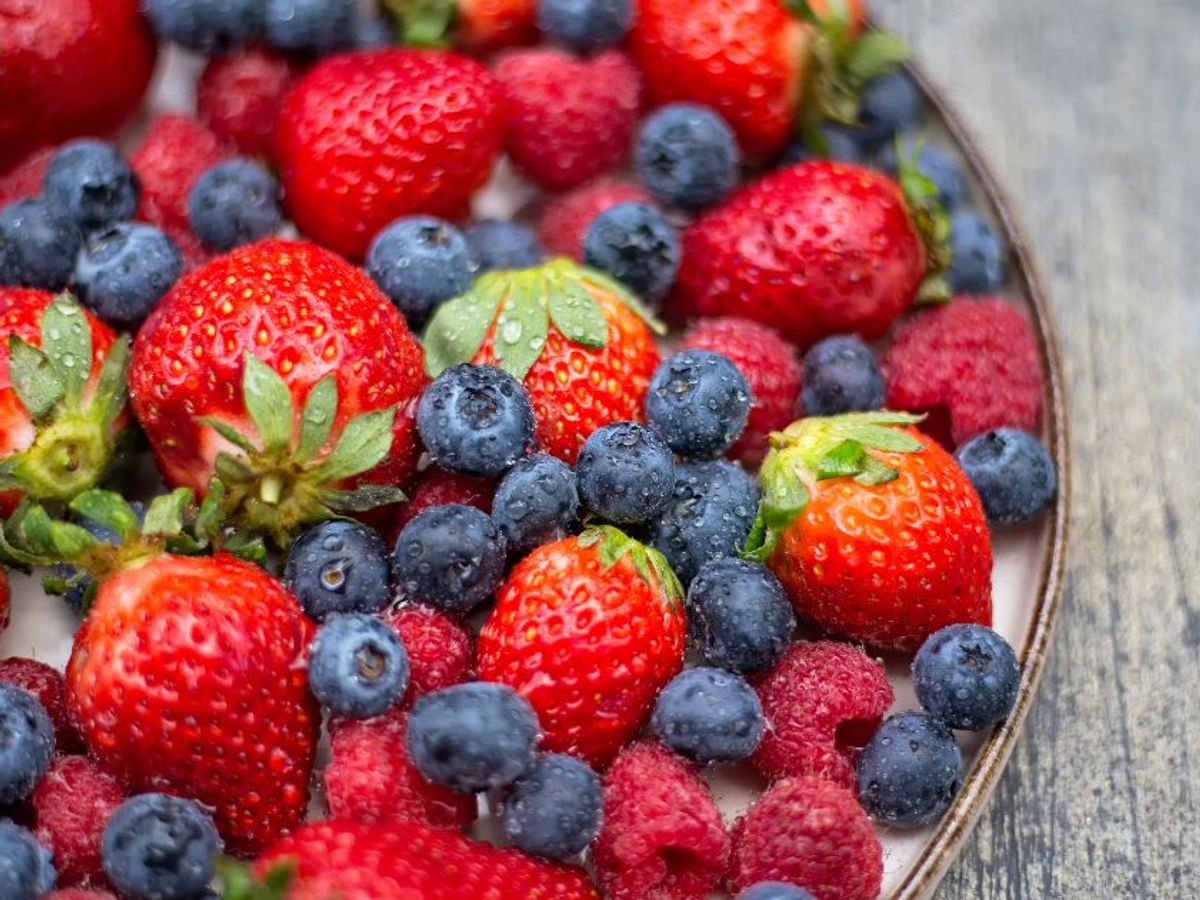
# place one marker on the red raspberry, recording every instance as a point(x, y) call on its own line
point(563, 222)
point(809, 832)
point(771, 368)
point(238, 96)
point(73, 803)
point(439, 650)
point(369, 778)
point(24, 179)
point(972, 365)
point(662, 837)
point(48, 685)
point(437, 487)
point(568, 120)
point(822, 701)
point(79, 894)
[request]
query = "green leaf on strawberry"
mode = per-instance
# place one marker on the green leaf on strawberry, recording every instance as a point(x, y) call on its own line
point(615, 545)
point(931, 220)
point(238, 882)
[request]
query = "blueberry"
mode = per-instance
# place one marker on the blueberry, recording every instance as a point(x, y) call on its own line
point(625, 473)
point(585, 25)
point(699, 402)
point(319, 26)
point(977, 255)
point(887, 105)
point(450, 557)
point(475, 420)
point(774, 890)
point(357, 666)
point(908, 772)
point(371, 32)
point(498, 245)
point(843, 144)
point(1012, 472)
point(709, 715)
point(234, 203)
point(687, 156)
point(124, 270)
point(209, 26)
point(91, 183)
point(26, 743)
point(554, 809)
point(25, 869)
point(709, 515)
point(79, 592)
point(38, 246)
point(158, 847)
point(966, 677)
point(739, 615)
point(420, 262)
point(472, 737)
point(937, 164)
point(635, 244)
point(338, 567)
point(537, 502)
point(841, 374)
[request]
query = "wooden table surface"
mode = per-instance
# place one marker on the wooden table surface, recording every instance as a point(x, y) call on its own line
point(1090, 113)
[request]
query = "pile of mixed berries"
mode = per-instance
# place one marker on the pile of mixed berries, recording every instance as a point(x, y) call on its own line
point(436, 491)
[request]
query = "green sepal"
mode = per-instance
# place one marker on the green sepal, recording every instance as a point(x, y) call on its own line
point(422, 23)
point(629, 299)
point(209, 517)
point(931, 221)
point(364, 444)
point(67, 342)
point(35, 379)
point(112, 387)
point(847, 458)
point(165, 515)
point(238, 882)
point(108, 509)
point(269, 403)
point(458, 327)
point(521, 330)
point(615, 545)
point(245, 546)
point(874, 54)
point(227, 431)
point(316, 421)
point(54, 539)
point(363, 498)
point(575, 312)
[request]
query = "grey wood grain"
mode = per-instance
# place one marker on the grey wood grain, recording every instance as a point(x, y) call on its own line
point(1091, 116)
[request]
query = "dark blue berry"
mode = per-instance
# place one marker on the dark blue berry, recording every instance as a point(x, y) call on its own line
point(840, 375)
point(887, 105)
point(234, 203)
point(420, 262)
point(92, 184)
point(709, 715)
point(26, 872)
point(536, 502)
point(476, 420)
point(774, 890)
point(908, 772)
point(124, 270)
point(209, 26)
point(699, 401)
point(317, 26)
point(625, 473)
point(158, 847)
point(472, 737)
point(338, 567)
point(498, 245)
point(1012, 472)
point(451, 557)
point(739, 615)
point(937, 164)
point(38, 246)
point(843, 143)
point(977, 255)
point(635, 244)
point(357, 667)
point(371, 32)
point(966, 677)
point(709, 515)
point(585, 25)
point(80, 582)
point(26, 743)
point(686, 156)
point(554, 809)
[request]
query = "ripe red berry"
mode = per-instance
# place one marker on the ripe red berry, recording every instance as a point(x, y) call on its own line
point(239, 95)
point(439, 649)
point(49, 686)
point(565, 219)
point(73, 803)
point(438, 487)
point(24, 179)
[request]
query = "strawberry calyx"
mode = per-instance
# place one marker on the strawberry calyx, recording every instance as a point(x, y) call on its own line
point(76, 428)
point(522, 305)
point(931, 220)
point(614, 545)
point(819, 449)
point(422, 23)
point(238, 881)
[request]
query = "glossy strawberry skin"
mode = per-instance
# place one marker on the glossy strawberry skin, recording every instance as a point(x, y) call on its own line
point(302, 310)
point(813, 250)
point(189, 675)
point(365, 138)
point(485, 26)
point(238, 96)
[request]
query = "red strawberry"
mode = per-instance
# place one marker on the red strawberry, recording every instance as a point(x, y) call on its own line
point(73, 802)
point(580, 342)
point(439, 650)
point(70, 68)
point(874, 530)
point(484, 26)
point(566, 119)
point(24, 179)
point(588, 629)
point(238, 96)
point(813, 250)
point(438, 487)
point(44, 682)
point(59, 424)
point(365, 138)
point(563, 222)
point(324, 361)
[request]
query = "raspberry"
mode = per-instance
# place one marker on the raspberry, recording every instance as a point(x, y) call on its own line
point(662, 837)
point(972, 365)
point(369, 778)
point(73, 803)
point(810, 832)
point(238, 96)
point(821, 702)
point(79, 894)
point(771, 368)
point(439, 650)
point(24, 180)
point(437, 487)
point(564, 221)
point(48, 685)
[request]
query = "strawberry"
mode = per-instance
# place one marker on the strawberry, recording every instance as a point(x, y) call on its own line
point(874, 530)
point(588, 629)
point(365, 138)
point(238, 96)
point(563, 222)
point(23, 181)
point(484, 26)
point(814, 250)
point(59, 422)
point(327, 368)
point(582, 344)
point(70, 69)
point(566, 119)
